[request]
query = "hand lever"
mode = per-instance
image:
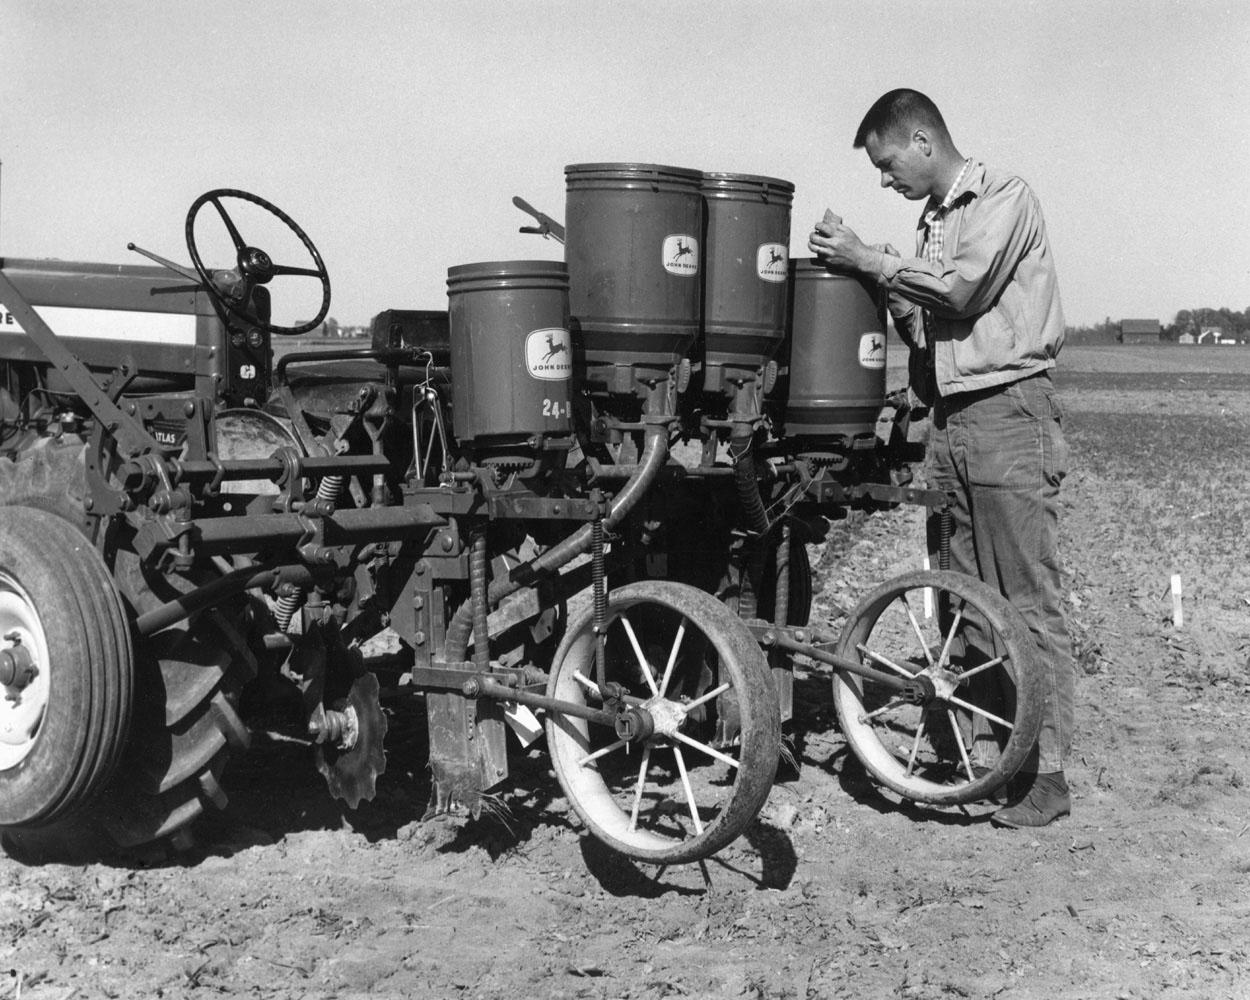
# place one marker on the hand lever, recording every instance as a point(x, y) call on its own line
point(547, 226)
point(186, 272)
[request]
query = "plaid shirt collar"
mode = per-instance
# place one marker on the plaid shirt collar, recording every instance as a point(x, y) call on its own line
point(951, 194)
point(933, 218)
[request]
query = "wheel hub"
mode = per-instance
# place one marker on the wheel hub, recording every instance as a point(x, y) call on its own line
point(918, 690)
point(944, 682)
point(23, 680)
point(659, 717)
point(17, 668)
point(667, 716)
point(339, 729)
point(634, 724)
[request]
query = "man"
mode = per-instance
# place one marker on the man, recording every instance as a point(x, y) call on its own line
point(979, 307)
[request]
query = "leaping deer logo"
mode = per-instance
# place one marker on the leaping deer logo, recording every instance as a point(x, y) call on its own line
point(553, 348)
point(773, 257)
point(682, 251)
point(875, 346)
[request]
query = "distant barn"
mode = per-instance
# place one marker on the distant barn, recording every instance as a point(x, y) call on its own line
point(1139, 331)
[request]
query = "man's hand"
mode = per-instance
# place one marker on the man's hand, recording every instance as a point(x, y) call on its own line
point(838, 248)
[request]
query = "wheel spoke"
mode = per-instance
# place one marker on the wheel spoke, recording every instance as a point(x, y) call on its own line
point(887, 662)
point(710, 751)
point(887, 707)
point(230, 227)
point(959, 740)
point(915, 744)
point(672, 655)
point(588, 684)
point(685, 781)
point(687, 706)
point(915, 625)
point(642, 660)
point(603, 751)
point(642, 782)
point(984, 666)
point(977, 710)
point(950, 636)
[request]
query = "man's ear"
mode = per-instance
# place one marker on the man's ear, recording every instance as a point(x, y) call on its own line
point(921, 138)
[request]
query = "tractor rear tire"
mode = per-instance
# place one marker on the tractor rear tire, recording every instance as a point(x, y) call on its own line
point(64, 720)
point(187, 678)
point(186, 721)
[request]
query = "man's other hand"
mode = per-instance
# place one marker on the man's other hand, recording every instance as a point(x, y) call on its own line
point(838, 248)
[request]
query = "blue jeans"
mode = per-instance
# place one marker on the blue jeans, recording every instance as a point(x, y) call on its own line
point(1001, 452)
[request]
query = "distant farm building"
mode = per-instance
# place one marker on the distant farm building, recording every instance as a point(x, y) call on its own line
point(1140, 331)
point(1215, 335)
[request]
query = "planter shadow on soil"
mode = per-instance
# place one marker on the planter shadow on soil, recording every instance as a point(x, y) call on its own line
point(621, 876)
point(856, 782)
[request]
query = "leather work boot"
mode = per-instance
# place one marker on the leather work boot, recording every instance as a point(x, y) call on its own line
point(1037, 803)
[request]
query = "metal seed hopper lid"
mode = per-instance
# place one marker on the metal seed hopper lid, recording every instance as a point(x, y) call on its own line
point(631, 175)
point(508, 273)
point(743, 186)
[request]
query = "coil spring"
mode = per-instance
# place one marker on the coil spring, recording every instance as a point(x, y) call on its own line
point(946, 528)
point(288, 604)
point(598, 578)
point(598, 573)
point(328, 490)
point(478, 595)
point(330, 487)
point(339, 728)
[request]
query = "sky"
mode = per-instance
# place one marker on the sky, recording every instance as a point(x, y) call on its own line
point(396, 133)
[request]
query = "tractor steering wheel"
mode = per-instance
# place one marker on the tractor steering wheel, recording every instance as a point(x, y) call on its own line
point(254, 267)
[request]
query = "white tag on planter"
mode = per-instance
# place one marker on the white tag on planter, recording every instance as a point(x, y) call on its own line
point(523, 722)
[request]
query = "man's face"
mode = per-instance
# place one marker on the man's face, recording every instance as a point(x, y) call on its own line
point(902, 162)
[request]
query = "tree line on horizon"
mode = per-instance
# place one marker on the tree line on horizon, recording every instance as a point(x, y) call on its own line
point(1234, 324)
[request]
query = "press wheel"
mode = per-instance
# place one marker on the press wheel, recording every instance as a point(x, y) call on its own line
point(690, 672)
point(974, 708)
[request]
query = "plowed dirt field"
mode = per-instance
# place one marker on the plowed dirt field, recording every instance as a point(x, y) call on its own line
point(838, 890)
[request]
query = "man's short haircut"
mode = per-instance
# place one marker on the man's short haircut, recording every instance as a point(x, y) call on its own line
point(899, 111)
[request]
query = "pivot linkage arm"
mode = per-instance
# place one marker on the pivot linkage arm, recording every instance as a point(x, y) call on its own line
point(131, 436)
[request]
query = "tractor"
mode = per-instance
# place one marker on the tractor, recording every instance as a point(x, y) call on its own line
point(574, 505)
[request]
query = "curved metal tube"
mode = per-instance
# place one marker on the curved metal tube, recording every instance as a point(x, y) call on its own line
point(244, 578)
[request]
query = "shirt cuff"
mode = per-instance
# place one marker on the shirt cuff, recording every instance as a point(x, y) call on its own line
point(887, 267)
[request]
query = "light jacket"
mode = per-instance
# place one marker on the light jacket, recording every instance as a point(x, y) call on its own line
point(994, 298)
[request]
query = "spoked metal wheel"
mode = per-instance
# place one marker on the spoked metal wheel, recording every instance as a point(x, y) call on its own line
point(680, 748)
point(956, 706)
